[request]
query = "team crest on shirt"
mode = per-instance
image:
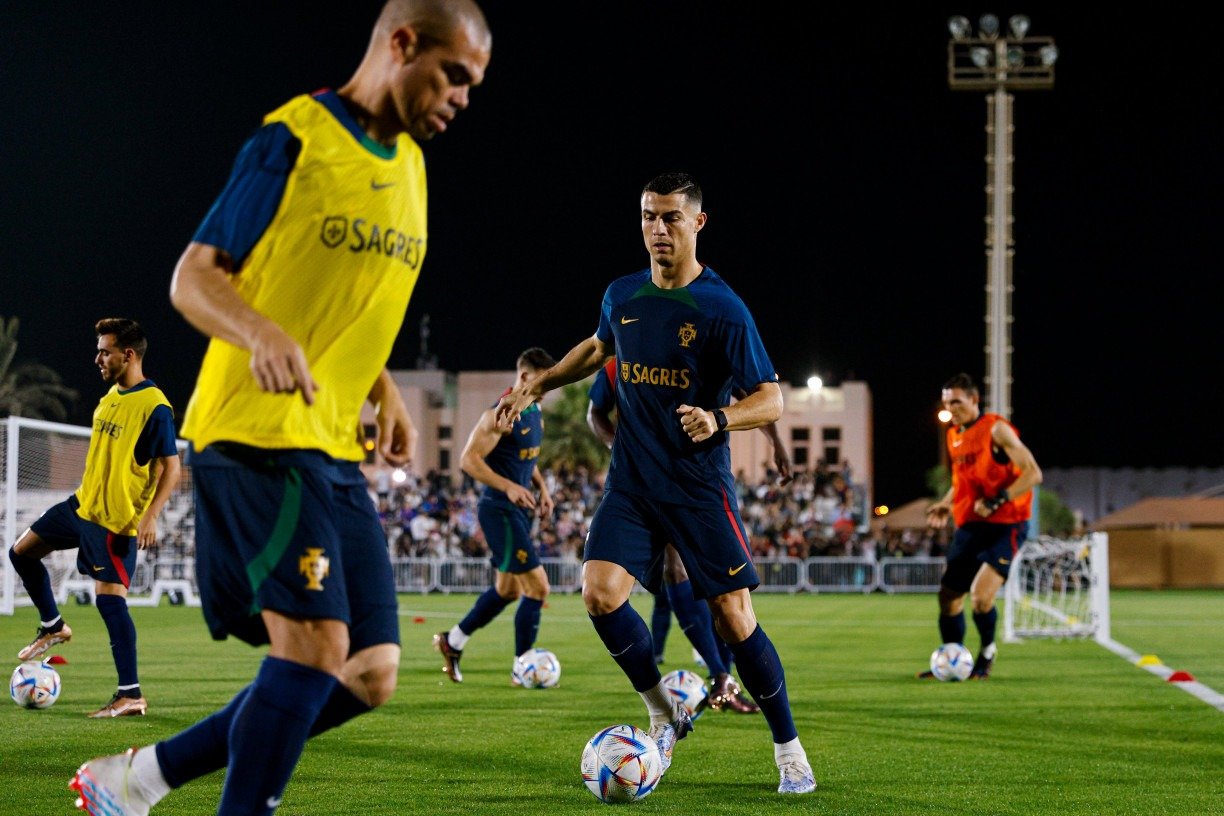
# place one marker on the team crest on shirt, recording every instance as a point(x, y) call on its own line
point(688, 333)
point(335, 228)
point(624, 367)
point(315, 566)
point(521, 555)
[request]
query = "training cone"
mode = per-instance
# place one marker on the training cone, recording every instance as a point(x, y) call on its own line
point(57, 660)
point(1181, 677)
point(1149, 660)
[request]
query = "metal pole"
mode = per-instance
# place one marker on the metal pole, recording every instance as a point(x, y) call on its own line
point(1000, 249)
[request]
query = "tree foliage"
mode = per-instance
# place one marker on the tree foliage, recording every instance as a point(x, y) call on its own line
point(29, 389)
point(568, 440)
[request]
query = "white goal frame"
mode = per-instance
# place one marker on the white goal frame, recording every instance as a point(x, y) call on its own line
point(28, 491)
point(1059, 588)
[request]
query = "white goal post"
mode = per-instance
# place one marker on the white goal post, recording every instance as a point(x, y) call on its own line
point(1059, 588)
point(41, 463)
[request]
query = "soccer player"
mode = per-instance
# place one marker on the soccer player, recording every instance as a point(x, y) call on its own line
point(993, 475)
point(300, 274)
point(503, 459)
point(694, 617)
point(131, 469)
point(682, 341)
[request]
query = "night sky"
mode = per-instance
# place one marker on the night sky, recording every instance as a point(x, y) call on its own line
point(843, 178)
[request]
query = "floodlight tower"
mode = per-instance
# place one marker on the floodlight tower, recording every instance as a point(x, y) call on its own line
point(994, 61)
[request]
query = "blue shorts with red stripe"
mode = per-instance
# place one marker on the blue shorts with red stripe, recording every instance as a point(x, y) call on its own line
point(101, 554)
point(981, 542)
point(632, 531)
point(293, 532)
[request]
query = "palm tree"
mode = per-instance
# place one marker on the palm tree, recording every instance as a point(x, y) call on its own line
point(30, 389)
point(568, 441)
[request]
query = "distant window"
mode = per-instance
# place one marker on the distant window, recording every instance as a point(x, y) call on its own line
point(832, 455)
point(444, 432)
point(799, 457)
point(799, 434)
point(444, 460)
point(831, 434)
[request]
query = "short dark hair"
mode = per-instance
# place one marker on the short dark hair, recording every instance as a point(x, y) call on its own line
point(536, 359)
point(128, 333)
point(963, 382)
point(671, 183)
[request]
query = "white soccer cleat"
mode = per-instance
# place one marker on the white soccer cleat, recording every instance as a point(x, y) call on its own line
point(106, 789)
point(666, 735)
point(796, 777)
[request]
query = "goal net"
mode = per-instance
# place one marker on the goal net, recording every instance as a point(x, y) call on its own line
point(1059, 588)
point(41, 463)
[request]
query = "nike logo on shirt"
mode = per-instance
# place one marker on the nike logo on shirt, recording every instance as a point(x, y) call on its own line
point(374, 185)
point(627, 320)
point(735, 570)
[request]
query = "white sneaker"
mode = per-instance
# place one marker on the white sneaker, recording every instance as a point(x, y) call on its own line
point(106, 789)
point(797, 777)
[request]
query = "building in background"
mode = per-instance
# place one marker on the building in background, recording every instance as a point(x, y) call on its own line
point(829, 424)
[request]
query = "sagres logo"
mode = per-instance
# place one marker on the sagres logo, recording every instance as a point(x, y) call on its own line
point(634, 373)
point(315, 566)
point(688, 333)
point(362, 235)
point(334, 229)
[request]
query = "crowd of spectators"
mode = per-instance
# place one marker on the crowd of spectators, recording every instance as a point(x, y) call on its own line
point(818, 513)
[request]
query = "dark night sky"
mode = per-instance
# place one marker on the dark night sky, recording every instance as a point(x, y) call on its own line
point(844, 182)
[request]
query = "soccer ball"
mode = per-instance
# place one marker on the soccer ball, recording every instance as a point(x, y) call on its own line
point(34, 685)
point(688, 688)
point(537, 668)
point(621, 764)
point(951, 662)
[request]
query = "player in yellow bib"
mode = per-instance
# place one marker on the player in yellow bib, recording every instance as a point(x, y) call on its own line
point(131, 469)
point(300, 275)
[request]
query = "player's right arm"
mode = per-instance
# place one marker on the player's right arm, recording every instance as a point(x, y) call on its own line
point(481, 442)
point(202, 289)
point(577, 363)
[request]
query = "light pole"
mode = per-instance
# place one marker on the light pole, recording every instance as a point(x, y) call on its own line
point(998, 61)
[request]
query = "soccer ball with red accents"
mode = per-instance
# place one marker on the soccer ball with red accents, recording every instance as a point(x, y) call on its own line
point(34, 685)
point(621, 763)
point(687, 688)
point(951, 662)
point(537, 668)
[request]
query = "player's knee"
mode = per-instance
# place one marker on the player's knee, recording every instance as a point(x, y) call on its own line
point(983, 604)
point(599, 601)
point(380, 684)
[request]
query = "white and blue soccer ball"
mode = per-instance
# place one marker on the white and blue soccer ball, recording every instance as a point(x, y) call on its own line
point(34, 685)
point(951, 662)
point(537, 668)
point(621, 764)
point(688, 688)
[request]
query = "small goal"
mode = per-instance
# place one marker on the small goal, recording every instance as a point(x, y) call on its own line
point(1059, 588)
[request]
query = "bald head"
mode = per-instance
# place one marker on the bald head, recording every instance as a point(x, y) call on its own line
point(436, 19)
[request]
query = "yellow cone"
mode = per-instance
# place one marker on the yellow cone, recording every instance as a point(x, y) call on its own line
point(1149, 660)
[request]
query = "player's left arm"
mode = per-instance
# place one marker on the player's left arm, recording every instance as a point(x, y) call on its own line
point(1004, 436)
point(760, 406)
point(169, 474)
point(397, 435)
point(544, 507)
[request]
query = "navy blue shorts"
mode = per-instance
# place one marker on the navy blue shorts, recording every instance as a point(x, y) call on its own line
point(507, 531)
point(633, 531)
point(981, 542)
point(101, 554)
point(293, 532)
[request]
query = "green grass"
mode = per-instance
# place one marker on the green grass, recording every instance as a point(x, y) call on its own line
point(1063, 727)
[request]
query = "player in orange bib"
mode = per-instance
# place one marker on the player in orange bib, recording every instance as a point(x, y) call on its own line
point(993, 474)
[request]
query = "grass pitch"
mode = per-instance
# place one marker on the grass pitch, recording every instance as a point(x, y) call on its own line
point(1063, 727)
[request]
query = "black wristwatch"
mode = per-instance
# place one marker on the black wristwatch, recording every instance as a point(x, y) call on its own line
point(720, 419)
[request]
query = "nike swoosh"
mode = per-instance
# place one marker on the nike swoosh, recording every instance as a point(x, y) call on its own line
point(273, 801)
point(627, 320)
point(735, 570)
point(525, 431)
point(1004, 561)
point(957, 443)
point(98, 569)
point(374, 185)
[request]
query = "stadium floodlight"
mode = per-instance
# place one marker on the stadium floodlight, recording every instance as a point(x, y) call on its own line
point(997, 62)
point(959, 27)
